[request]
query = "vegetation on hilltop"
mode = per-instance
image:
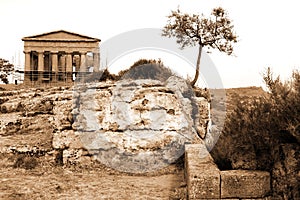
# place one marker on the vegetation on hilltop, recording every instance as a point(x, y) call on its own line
point(141, 69)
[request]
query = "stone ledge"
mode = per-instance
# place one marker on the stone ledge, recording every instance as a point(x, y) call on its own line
point(206, 181)
point(202, 174)
point(244, 184)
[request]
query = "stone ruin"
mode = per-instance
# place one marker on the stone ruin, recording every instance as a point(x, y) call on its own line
point(143, 122)
point(59, 57)
point(138, 125)
point(132, 126)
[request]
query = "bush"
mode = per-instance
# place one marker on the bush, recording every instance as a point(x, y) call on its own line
point(146, 69)
point(141, 69)
point(268, 120)
point(106, 75)
point(263, 133)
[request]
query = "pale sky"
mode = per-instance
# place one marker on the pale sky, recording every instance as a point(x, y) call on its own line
point(268, 30)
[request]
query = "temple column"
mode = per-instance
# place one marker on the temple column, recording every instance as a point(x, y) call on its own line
point(82, 70)
point(82, 61)
point(27, 68)
point(69, 67)
point(40, 65)
point(54, 65)
point(96, 60)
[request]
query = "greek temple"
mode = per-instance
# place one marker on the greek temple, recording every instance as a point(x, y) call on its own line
point(59, 56)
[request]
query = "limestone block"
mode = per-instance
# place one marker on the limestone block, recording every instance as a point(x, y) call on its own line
point(75, 156)
point(66, 139)
point(134, 125)
point(11, 106)
point(202, 175)
point(9, 123)
point(36, 105)
point(62, 115)
point(244, 184)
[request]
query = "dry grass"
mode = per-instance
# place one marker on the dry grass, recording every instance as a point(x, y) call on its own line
point(19, 179)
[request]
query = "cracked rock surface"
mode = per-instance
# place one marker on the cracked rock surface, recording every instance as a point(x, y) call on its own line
point(130, 125)
point(135, 125)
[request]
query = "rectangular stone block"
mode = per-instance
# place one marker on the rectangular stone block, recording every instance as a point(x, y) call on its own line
point(244, 184)
point(202, 175)
point(66, 139)
point(76, 157)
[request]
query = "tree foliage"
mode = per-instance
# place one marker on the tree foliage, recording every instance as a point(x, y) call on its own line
point(5, 70)
point(215, 32)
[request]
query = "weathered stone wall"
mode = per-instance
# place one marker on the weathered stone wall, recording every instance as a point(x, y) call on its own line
point(139, 118)
point(206, 181)
point(137, 125)
point(30, 117)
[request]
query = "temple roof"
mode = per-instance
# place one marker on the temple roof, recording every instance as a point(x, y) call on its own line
point(61, 35)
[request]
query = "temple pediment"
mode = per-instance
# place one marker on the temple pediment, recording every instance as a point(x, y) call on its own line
point(60, 35)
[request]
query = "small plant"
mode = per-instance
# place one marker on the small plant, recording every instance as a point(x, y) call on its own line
point(25, 161)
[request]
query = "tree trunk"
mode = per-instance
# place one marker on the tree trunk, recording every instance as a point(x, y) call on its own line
point(197, 67)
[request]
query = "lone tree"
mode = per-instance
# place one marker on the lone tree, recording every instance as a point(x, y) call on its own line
point(5, 70)
point(215, 32)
